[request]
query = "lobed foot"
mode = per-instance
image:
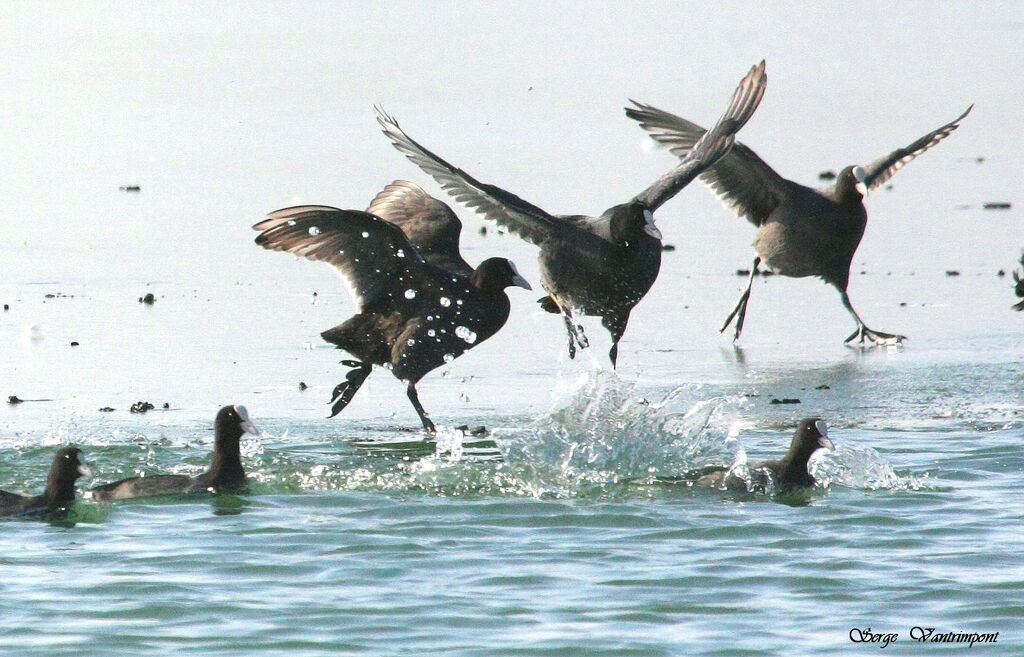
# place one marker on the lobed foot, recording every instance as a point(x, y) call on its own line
point(878, 338)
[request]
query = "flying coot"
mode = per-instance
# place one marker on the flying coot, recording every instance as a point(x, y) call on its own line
point(418, 303)
point(599, 266)
point(800, 231)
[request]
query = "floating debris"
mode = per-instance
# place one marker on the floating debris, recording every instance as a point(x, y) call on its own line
point(148, 299)
point(74, 343)
point(785, 400)
point(996, 205)
point(6, 307)
point(166, 406)
point(302, 385)
point(106, 409)
point(130, 188)
point(668, 247)
point(824, 386)
point(952, 272)
point(141, 407)
point(1001, 273)
point(827, 175)
point(13, 399)
point(483, 231)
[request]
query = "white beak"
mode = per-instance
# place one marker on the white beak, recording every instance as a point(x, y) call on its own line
point(824, 441)
point(861, 177)
point(246, 423)
point(649, 227)
point(517, 278)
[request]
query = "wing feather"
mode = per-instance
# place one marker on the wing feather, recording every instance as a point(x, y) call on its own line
point(877, 172)
point(506, 209)
point(372, 255)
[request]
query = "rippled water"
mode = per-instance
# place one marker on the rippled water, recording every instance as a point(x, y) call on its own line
point(564, 529)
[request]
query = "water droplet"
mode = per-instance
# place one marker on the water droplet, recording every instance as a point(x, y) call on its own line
point(291, 222)
point(314, 231)
point(410, 294)
point(445, 301)
point(365, 234)
point(410, 342)
point(400, 253)
point(466, 334)
point(449, 358)
point(431, 332)
point(458, 301)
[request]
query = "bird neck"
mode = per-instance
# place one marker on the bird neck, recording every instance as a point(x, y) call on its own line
point(227, 468)
point(59, 493)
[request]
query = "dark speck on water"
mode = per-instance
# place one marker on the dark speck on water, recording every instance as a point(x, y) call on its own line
point(13, 399)
point(1000, 274)
point(785, 400)
point(824, 386)
point(952, 272)
point(106, 409)
point(668, 247)
point(74, 343)
point(302, 385)
point(827, 175)
point(996, 205)
point(148, 299)
point(483, 230)
point(141, 407)
point(130, 188)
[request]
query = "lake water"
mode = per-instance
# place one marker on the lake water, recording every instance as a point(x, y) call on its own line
point(555, 534)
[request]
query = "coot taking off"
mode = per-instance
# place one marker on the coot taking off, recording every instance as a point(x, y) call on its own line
point(801, 231)
point(67, 467)
point(1018, 285)
point(225, 473)
point(787, 473)
point(600, 266)
point(418, 304)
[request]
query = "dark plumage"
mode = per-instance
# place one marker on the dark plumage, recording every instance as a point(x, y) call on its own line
point(60, 487)
point(225, 473)
point(787, 473)
point(600, 266)
point(1018, 285)
point(418, 303)
point(800, 231)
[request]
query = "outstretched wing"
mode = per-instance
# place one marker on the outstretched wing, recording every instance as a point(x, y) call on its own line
point(880, 170)
point(741, 180)
point(711, 146)
point(372, 256)
point(429, 224)
point(506, 209)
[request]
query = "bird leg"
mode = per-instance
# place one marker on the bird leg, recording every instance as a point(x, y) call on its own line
point(863, 331)
point(347, 389)
point(740, 311)
point(414, 397)
point(616, 325)
point(575, 331)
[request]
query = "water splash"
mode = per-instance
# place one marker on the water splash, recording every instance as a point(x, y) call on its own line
point(862, 468)
point(607, 435)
